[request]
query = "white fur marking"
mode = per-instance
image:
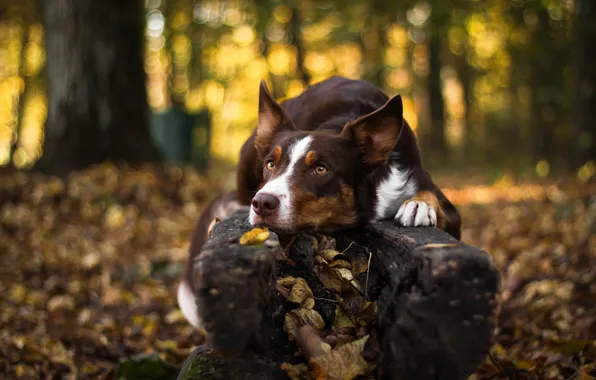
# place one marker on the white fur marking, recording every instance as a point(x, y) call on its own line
point(392, 192)
point(280, 186)
point(188, 305)
point(416, 214)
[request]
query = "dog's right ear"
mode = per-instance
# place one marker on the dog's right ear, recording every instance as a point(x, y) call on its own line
point(272, 118)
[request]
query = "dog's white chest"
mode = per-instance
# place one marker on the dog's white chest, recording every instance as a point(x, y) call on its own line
point(392, 191)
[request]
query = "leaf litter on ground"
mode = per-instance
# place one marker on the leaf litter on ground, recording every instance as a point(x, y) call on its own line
point(88, 274)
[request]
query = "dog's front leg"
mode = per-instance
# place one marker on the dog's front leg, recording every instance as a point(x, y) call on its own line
point(429, 207)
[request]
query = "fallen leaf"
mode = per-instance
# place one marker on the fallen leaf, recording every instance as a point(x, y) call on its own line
point(342, 320)
point(342, 363)
point(359, 265)
point(299, 371)
point(329, 254)
point(295, 289)
point(65, 302)
point(340, 264)
point(213, 223)
point(254, 236)
point(438, 245)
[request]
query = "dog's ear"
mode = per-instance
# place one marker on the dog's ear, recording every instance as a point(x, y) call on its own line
point(272, 119)
point(377, 133)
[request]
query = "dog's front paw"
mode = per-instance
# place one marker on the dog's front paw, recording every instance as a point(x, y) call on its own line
point(416, 213)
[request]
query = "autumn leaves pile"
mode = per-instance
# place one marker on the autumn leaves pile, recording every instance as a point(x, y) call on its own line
point(334, 351)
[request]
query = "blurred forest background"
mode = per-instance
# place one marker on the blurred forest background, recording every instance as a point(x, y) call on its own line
point(492, 83)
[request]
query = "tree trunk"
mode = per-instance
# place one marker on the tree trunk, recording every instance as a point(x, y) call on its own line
point(263, 10)
point(436, 299)
point(298, 42)
point(545, 80)
point(97, 101)
point(585, 97)
point(373, 44)
point(438, 147)
point(465, 74)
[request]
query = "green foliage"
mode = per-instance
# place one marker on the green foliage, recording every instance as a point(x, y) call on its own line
point(145, 367)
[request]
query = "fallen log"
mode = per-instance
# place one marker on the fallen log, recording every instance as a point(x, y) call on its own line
point(378, 302)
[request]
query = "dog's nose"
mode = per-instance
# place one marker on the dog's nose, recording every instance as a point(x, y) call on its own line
point(265, 204)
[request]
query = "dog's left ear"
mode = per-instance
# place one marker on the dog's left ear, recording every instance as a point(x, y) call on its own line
point(272, 119)
point(377, 133)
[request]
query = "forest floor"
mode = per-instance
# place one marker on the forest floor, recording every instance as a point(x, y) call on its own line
point(89, 268)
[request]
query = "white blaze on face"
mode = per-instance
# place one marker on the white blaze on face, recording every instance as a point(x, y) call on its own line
point(280, 185)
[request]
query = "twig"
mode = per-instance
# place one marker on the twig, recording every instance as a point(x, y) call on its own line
point(344, 251)
point(325, 299)
point(367, 271)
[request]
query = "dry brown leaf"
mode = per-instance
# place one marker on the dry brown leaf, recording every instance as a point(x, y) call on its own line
point(438, 245)
point(333, 278)
point(212, 224)
point(342, 363)
point(329, 278)
point(359, 265)
point(302, 317)
point(64, 302)
point(368, 313)
point(340, 264)
point(329, 254)
point(342, 320)
point(254, 236)
point(295, 289)
point(299, 371)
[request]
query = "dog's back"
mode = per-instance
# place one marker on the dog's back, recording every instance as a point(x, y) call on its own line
point(330, 104)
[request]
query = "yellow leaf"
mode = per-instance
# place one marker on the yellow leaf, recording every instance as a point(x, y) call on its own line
point(19, 370)
point(174, 316)
point(296, 371)
point(254, 236)
point(344, 274)
point(439, 245)
point(329, 254)
point(342, 363)
point(166, 345)
point(342, 320)
point(61, 302)
point(340, 264)
point(329, 279)
point(525, 365)
point(17, 293)
point(295, 289)
point(301, 317)
point(213, 223)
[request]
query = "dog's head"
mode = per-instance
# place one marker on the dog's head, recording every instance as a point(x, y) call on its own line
point(310, 178)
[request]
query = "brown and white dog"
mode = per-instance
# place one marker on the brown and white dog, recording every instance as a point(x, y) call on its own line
point(337, 156)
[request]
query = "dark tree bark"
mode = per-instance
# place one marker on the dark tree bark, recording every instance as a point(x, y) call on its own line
point(97, 101)
point(298, 43)
point(436, 300)
point(466, 77)
point(373, 44)
point(585, 97)
point(263, 10)
point(547, 65)
point(437, 145)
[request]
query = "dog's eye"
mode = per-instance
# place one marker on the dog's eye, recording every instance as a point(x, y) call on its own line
point(320, 169)
point(269, 165)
